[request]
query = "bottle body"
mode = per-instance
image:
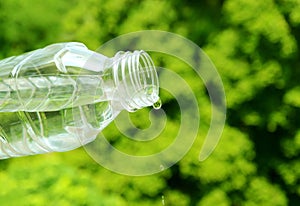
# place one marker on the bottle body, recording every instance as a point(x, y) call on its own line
point(60, 97)
point(26, 133)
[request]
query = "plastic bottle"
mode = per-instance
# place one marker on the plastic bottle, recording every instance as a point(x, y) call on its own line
point(60, 97)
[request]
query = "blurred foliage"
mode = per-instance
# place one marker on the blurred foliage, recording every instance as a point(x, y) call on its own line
point(255, 47)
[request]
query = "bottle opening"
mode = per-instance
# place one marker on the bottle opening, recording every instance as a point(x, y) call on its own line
point(137, 79)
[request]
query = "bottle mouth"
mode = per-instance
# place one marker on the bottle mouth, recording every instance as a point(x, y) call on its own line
point(137, 79)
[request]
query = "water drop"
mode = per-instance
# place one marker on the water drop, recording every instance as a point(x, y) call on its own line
point(163, 200)
point(157, 105)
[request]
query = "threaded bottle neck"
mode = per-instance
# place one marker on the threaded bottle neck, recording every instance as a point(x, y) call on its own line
point(136, 79)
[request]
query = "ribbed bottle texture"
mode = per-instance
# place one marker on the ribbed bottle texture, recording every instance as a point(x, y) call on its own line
point(60, 97)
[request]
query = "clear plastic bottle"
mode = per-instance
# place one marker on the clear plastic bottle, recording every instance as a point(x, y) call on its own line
point(60, 97)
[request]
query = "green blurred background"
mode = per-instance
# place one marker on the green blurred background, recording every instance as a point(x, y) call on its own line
point(255, 47)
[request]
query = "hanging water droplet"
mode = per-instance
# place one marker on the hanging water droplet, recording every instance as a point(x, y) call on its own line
point(157, 105)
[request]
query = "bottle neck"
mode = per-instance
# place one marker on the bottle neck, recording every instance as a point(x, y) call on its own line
point(136, 80)
point(129, 78)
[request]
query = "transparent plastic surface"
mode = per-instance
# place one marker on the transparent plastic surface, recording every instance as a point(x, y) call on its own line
point(60, 97)
point(51, 79)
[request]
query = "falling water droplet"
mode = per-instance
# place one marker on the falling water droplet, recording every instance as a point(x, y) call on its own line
point(163, 200)
point(157, 105)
